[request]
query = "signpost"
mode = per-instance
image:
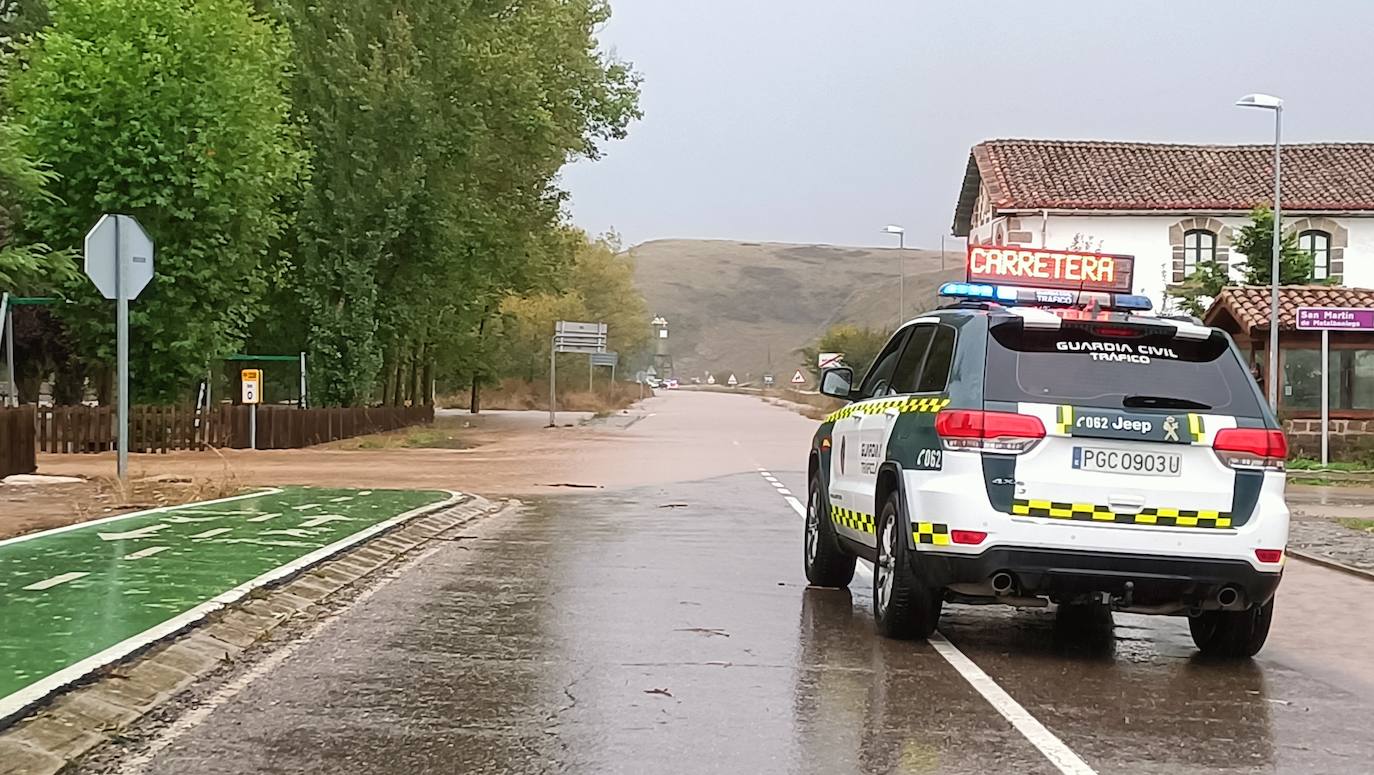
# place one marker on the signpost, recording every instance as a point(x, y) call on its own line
point(828, 360)
point(252, 395)
point(1326, 320)
point(732, 381)
point(570, 337)
point(768, 380)
point(119, 260)
point(1064, 269)
point(602, 359)
point(799, 378)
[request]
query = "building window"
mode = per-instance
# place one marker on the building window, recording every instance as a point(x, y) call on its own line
point(1318, 243)
point(1198, 245)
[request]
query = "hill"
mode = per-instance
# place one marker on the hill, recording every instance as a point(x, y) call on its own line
point(746, 307)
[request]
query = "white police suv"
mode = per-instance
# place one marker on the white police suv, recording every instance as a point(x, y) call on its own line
point(1029, 444)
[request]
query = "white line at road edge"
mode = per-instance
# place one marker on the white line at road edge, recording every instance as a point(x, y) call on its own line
point(39, 586)
point(16, 703)
point(1054, 749)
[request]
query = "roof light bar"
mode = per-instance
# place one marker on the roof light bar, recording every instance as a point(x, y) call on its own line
point(1042, 297)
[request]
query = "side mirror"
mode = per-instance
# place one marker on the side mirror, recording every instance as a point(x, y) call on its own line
point(837, 383)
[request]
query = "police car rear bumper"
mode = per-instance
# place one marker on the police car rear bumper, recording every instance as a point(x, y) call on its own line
point(1065, 575)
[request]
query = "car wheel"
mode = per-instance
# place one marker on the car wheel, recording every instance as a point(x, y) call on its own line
point(827, 565)
point(903, 607)
point(1232, 634)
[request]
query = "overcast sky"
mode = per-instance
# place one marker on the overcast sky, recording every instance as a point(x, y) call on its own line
point(823, 120)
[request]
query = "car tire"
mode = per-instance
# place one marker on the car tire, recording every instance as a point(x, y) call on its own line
point(903, 607)
point(1232, 634)
point(827, 565)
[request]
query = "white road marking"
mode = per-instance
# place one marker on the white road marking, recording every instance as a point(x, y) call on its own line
point(784, 491)
point(219, 531)
point(306, 506)
point(131, 515)
point(365, 492)
point(149, 552)
point(142, 532)
point(321, 519)
point(18, 701)
point(294, 532)
point(39, 586)
point(1054, 749)
point(263, 517)
point(180, 520)
point(341, 499)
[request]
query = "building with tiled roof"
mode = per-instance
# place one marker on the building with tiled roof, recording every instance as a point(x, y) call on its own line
point(1243, 311)
point(1170, 206)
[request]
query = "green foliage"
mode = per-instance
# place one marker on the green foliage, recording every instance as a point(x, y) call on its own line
point(1256, 241)
point(1199, 288)
point(24, 267)
point(437, 130)
point(860, 346)
point(600, 289)
point(174, 112)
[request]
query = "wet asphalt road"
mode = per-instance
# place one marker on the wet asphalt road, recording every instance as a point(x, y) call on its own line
point(669, 629)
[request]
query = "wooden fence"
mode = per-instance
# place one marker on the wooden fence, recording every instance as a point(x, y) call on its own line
point(17, 441)
point(162, 429)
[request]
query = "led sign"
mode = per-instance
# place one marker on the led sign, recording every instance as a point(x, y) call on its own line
point(1065, 269)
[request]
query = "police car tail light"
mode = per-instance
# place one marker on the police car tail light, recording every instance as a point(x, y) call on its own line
point(1269, 555)
point(967, 536)
point(1252, 448)
point(1003, 432)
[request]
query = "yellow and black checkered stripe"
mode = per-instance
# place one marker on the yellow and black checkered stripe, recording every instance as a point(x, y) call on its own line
point(854, 520)
point(1088, 512)
point(1063, 419)
point(903, 405)
point(930, 533)
point(1195, 428)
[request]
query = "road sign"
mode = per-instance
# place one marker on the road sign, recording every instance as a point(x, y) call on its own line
point(768, 379)
point(732, 381)
point(119, 261)
point(828, 360)
point(1326, 320)
point(799, 378)
point(1335, 319)
point(605, 359)
point(252, 385)
point(115, 240)
point(571, 337)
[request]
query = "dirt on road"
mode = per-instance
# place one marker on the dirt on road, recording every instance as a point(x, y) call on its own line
point(503, 453)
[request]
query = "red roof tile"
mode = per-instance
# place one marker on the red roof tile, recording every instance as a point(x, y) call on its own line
point(1096, 175)
point(1248, 305)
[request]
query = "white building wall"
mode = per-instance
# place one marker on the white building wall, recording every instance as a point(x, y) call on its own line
point(1147, 238)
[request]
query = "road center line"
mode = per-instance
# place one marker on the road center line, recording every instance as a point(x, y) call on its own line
point(39, 586)
point(1054, 749)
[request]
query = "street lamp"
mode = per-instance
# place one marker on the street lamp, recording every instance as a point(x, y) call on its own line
point(1270, 102)
point(901, 267)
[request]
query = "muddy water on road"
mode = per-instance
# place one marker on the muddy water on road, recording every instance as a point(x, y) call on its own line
point(666, 627)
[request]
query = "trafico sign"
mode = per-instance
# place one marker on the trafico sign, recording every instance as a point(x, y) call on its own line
point(1066, 269)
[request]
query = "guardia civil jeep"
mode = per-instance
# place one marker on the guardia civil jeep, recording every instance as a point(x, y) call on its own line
point(1005, 450)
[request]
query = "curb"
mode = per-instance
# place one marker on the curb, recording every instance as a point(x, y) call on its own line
point(1317, 559)
point(71, 721)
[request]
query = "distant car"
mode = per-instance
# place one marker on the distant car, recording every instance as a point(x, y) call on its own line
point(1008, 451)
point(670, 384)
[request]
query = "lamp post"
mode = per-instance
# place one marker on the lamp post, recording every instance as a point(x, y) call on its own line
point(1270, 102)
point(901, 268)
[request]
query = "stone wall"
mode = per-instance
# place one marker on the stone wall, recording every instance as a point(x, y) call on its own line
point(1349, 439)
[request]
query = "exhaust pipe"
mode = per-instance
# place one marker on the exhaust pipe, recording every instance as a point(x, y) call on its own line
point(1002, 582)
point(1228, 597)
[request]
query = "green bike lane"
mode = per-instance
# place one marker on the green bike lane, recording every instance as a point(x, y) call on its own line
point(76, 598)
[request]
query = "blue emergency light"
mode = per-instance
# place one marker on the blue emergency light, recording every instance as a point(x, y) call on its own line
point(1012, 295)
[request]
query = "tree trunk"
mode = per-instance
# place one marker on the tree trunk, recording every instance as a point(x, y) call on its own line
point(397, 371)
point(388, 385)
point(427, 382)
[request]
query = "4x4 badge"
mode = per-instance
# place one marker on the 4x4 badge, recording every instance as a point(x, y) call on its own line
point(1171, 428)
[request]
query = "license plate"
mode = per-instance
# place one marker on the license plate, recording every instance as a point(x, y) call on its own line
point(1116, 461)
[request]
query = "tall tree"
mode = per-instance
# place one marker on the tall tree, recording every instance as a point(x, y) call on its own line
point(173, 111)
point(1255, 241)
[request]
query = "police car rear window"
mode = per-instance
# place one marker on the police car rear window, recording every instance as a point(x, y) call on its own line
point(1116, 366)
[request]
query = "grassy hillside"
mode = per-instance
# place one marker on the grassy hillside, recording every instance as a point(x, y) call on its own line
point(731, 306)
